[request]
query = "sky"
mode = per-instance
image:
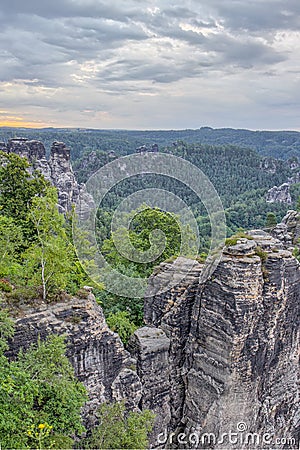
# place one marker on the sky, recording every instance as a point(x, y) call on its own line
point(150, 64)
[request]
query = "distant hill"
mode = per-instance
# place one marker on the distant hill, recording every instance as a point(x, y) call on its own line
point(277, 144)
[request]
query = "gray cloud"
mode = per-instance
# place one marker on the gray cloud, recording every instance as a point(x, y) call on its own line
point(60, 54)
point(259, 16)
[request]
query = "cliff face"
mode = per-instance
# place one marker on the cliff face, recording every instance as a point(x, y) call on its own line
point(234, 348)
point(288, 231)
point(57, 170)
point(279, 194)
point(282, 193)
point(96, 353)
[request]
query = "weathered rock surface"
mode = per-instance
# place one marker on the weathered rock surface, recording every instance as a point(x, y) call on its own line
point(96, 353)
point(288, 231)
point(269, 165)
point(279, 194)
point(151, 348)
point(172, 312)
point(234, 348)
point(57, 170)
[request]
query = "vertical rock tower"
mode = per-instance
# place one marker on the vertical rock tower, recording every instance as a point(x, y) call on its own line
point(58, 170)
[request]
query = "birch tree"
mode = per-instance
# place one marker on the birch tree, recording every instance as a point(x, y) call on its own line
point(48, 261)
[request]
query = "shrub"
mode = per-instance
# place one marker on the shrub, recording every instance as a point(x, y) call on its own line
point(40, 398)
point(117, 429)
point(233, 240)
point(261, 253)
point(23, 295)
point(121, 324)
point(5, 286)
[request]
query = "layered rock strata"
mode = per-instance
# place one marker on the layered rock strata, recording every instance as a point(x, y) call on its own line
point(218, 362)
point(57, 170)
point(151, 348)
point(96, 353)
point(288, 231)
point(235, 367)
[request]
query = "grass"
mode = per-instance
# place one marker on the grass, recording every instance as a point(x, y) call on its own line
point(261, 253)
point(233, 240)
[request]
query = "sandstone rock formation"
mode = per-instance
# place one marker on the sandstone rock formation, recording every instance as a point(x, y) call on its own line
point(57, 170)
point(234, 350)
point(96, 353)
point(279, 194)
point(288, 231)
point(269, 165)
point(151, 348)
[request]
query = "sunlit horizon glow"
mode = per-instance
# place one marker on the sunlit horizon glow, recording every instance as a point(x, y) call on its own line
point(20, 123)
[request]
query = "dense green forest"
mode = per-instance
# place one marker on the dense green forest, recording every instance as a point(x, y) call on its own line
point(277, 144)
point(238, 175)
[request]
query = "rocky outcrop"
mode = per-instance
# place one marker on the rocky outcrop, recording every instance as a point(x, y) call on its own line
point(147, 148)
point(269, 165)
point(288, 231)
point(151, 348)
point(218, 362)
point(57, 170)
point(234, 349)
point(279, 194)
point(96, 353)
point(172, 312)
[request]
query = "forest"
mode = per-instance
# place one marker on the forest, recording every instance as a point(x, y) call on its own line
point(38, 263)
point(276, 144)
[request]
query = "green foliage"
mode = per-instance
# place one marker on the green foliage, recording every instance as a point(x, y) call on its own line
point(23, 295)
point(121, 324)
point(296, 252)
point(5, 286)
point(233, 240)
point(40, 398)
point(78, 273)
point(6, 330)
point(142, 223)
point(116, 430)
point(112, 304)
point(18, 190)
point(261, 253)
point(48, 260)
point(11, 240)
point(35, 246)
point(143, 241)
point(271, 220)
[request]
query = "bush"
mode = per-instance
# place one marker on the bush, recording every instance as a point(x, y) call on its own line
point(118, 430)
point(23, 295)
point(296, 253)
point(40, 398)
point(261, 253)
point(121, 324)
point(5, 286)
point(233, 240)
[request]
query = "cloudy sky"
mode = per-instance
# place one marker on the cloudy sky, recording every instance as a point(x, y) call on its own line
point(150, 64)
